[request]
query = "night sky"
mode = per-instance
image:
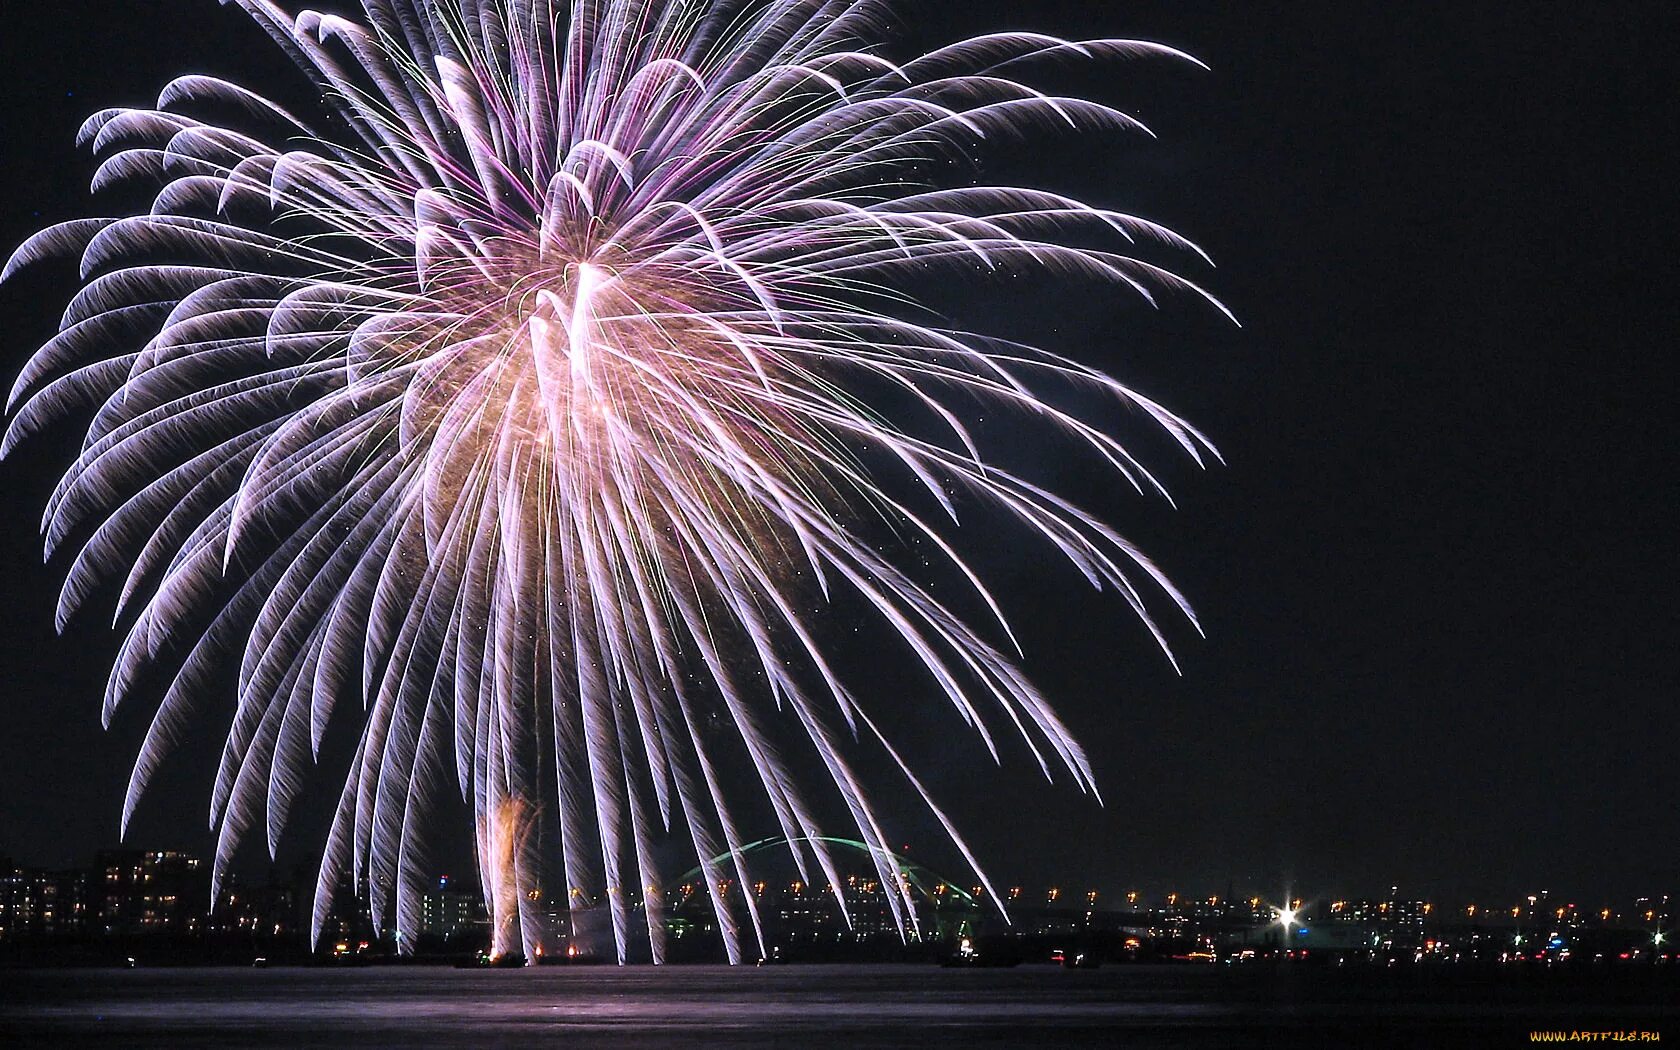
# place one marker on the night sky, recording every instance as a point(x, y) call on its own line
point(1437, 573)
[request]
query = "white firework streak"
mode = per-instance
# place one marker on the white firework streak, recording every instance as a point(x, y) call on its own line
point(528, 397)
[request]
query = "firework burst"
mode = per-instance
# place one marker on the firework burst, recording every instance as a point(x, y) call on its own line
point(533, 394)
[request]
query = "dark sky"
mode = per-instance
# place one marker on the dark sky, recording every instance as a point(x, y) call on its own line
point(1438, 573)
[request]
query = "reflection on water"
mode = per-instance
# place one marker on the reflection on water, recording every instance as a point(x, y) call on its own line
point(877, 1006)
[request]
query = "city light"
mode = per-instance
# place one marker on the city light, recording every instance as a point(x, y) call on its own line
point(125, 895)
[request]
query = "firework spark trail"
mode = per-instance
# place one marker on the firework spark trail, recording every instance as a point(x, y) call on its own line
point(529, 396)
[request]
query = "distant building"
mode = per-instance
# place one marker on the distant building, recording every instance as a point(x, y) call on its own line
point(12, 909)
point(137, 892)
point(451, 909)
point(42, 903)
point(1330, 938)
point(348, 919)
point(1398, 922)
point(269, 910)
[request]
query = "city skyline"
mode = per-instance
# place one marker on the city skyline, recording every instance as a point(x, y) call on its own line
point(150, 908)
point(1113, 894)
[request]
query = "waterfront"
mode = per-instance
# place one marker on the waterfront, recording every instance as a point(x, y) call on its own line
point(854, 1006)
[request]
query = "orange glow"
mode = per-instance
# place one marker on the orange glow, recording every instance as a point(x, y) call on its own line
point(505, 836)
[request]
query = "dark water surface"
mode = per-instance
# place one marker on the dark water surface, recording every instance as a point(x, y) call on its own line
point(856, 1006)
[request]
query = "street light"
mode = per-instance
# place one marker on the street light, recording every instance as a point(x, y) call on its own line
point(1286, 918)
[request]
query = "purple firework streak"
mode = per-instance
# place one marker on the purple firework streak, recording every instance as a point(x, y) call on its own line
point(540, 397)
